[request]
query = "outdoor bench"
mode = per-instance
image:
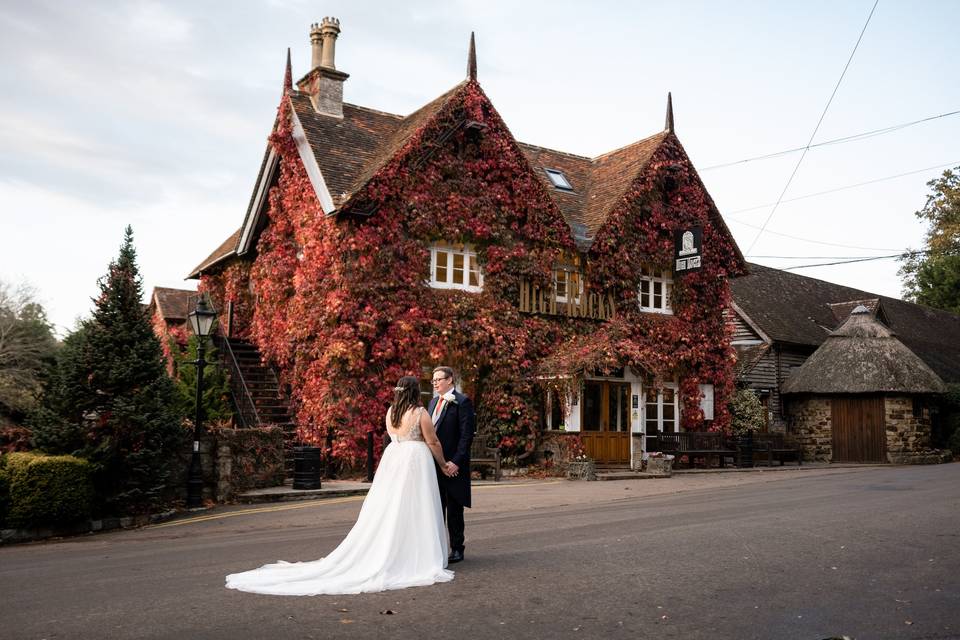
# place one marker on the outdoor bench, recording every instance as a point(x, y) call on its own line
point(693, 444)
point(776, 446)
point(482, 454)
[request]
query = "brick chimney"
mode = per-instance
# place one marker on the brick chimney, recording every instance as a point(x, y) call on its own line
point(324, 84)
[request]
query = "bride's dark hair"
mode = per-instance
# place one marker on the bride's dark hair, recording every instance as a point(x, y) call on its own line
point(405, 395)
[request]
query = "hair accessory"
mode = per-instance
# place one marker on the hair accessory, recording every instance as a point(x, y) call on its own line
point(398, 388)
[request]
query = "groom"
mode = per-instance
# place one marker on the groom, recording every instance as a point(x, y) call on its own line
point(453, 417)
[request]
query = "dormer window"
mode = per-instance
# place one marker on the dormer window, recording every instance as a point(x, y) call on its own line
point(558, 179)
point(656, 287)
point(455, 268)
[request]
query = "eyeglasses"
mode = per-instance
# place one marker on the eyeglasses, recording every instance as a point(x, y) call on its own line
point(439, 380)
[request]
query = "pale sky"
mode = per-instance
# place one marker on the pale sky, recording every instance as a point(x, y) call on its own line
point(155, 114)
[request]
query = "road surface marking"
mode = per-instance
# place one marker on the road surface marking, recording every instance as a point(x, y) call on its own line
point(314, 503)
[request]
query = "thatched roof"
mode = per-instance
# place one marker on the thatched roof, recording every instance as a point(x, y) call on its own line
point(796, 309)
point(863, 356)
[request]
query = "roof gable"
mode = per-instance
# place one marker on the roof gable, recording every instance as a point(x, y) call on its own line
point(227, 249)
point(172, 304)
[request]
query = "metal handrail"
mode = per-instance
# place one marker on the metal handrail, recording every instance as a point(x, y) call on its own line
point(248, 415)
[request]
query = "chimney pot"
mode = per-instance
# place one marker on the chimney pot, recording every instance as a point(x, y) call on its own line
point(329, 30)
point(316, 46)
point(324, 84)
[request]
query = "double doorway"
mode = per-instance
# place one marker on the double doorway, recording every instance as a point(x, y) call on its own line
point(613, 409)
point(605, 421)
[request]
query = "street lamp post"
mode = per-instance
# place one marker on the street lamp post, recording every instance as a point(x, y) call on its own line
point(201, 320)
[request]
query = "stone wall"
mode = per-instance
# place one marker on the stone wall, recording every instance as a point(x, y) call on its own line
point(236, 460)
point(810, 421)
point(908, 436)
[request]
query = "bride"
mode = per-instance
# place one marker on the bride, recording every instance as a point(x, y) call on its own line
point(399, 539)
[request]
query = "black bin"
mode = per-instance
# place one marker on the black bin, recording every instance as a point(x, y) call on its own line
point(307, 467)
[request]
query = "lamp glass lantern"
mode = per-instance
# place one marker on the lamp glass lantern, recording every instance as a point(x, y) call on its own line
point(202, 318)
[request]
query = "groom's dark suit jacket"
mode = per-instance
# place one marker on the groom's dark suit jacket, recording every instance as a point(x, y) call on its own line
point(455, 430)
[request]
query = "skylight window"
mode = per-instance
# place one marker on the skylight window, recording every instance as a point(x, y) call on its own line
point(559, 180)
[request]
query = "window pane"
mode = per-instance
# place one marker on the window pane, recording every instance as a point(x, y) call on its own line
point(625, 408)
point(458, 269)
point(556, 411)
point(474, 272)
point(652, 410)
point(592, 394)
point(560, 281)
point(441, 272)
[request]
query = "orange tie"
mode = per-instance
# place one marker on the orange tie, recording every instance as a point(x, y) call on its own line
point(436, 410)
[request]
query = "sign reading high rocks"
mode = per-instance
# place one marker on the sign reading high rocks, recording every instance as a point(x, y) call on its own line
point(688, 249)
point(540, 300)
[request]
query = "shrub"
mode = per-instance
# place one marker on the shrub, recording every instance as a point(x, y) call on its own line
point(746, 412)
point(47, 490)
point(4, 492)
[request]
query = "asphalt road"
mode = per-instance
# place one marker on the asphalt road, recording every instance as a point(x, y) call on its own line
point(867, 553)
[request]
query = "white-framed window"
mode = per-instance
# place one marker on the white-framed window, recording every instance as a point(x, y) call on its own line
point(455, 268)
point(568, 284)
point(661, 410)
point(706, 401)
point(655, 291)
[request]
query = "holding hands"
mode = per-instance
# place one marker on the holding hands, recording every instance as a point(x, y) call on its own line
point(450, 470)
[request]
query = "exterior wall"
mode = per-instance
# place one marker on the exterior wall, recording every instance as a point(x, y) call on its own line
point(742, 333)
point(908, 437)
point(809, 420)
point(769, 374)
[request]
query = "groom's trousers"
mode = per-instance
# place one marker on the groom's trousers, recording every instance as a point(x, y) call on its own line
point(453, 514)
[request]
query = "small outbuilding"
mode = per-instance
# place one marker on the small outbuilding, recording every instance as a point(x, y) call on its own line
point(862, 396)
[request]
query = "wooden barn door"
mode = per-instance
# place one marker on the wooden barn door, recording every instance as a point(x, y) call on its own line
point(859, 434)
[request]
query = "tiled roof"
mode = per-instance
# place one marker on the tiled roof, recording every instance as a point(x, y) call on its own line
point(351, 150)
point(173, 304)
point(613, 173)
point(224, 251)
point(797, 309)
point(345, 147)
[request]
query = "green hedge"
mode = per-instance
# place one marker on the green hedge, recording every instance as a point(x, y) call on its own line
point(4, 492)
point(47, 490)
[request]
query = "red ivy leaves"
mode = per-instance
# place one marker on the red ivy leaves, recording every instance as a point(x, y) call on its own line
point(342, 310)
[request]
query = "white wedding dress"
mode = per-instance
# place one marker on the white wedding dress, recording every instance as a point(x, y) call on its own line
point(398, 541)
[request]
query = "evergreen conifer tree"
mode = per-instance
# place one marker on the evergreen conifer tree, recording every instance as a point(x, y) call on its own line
point(112, 391)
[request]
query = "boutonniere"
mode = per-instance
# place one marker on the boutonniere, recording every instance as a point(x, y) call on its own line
point(449, 397)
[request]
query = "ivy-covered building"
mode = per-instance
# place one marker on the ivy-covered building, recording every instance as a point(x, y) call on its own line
point(574, 295)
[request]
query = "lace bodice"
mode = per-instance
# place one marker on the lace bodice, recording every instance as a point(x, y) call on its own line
point(409, 428)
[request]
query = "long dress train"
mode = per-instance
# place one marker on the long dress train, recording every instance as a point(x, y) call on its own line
point(398, 541)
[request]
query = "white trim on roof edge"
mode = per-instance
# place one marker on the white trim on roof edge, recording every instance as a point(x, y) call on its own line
point(263, 185)
point(310, 164)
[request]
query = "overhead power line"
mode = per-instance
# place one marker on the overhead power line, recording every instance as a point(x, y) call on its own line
point(857, 136)
point(905, 254)
point(810, 240)
point(815, 129)
point(849, 186)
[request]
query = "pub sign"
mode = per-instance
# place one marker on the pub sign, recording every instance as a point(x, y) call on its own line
point(688, 249)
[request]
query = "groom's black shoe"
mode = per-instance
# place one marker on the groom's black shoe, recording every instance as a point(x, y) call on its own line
point(456, 556)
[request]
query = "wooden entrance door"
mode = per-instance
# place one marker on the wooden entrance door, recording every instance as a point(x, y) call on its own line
point(605, 421)
point(858, 429)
